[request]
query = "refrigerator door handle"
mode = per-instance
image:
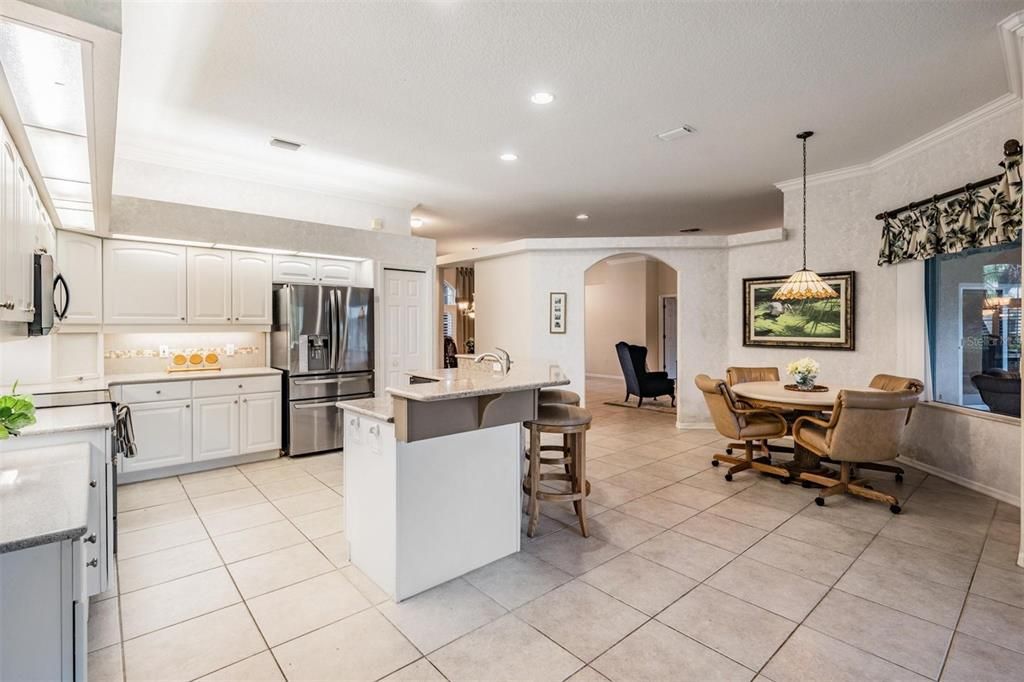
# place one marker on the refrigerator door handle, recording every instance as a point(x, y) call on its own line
point(310, 406)
point(337, 331)
point(332, 380)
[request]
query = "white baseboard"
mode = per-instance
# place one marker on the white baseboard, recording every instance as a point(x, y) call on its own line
point(694, 425)
point(591, 375)
point(960, 480)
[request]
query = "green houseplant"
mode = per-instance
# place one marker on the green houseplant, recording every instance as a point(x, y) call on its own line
point(16, 412)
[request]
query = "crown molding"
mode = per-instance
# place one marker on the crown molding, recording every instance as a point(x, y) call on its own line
point(983, 113)
point(199, 163)
point(1011, 32)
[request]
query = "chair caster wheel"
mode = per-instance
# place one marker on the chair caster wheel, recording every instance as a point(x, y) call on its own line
point(728, 451)
point(715, 462)
point(895, 508)
point(899, 478)
point(820, 501)
point(784, 481)
point(806, 484)
point(728, 477)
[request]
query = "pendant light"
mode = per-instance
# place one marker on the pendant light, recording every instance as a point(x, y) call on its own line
point(804, 284)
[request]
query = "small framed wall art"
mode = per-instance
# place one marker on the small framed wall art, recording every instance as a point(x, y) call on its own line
point(556, 312)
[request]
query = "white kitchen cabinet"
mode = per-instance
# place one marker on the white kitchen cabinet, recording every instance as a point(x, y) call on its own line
point(163, 435)
point(251, 287)
point(215, 427)
point(337, 272)
point(297, 269)
point(209, 286)
point(261, 422)
point(144, 283)
point(17, 237)
point(80, 260)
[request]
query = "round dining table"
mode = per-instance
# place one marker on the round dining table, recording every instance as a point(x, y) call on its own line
point(774, 394)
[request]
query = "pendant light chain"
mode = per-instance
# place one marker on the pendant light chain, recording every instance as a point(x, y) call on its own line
point(805, 203)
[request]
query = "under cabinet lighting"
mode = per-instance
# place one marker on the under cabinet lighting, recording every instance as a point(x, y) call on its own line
point(329, 256)
point(159, 240)
point(255, 249)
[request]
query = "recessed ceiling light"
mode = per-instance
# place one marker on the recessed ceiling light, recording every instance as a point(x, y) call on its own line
point(681, 131)
point(285, 144)
point(542, 98)
point(416, 222)
point(508, 156)
point(582, 216)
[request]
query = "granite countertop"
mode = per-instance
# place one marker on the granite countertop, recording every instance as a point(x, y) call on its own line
point(466, 382)
point(44, 494)
point(375, 408)
point(74, 418)
point(139, 378)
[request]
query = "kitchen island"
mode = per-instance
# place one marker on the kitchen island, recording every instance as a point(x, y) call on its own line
point(433, 473)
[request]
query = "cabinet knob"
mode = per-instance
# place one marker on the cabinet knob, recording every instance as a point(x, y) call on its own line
point(93, 484)
point(236, 402)
point(9, 305)
point(93, 564)
point(91, 538)
point(158, 391)
point(236, 319)
point(245, 400)
point(239, 385)
point(188, 406)
point(182, 319)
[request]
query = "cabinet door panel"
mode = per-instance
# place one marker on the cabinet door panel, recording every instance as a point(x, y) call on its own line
point(294, 269)
point(16, 235)
point(163, 435)
point(143, 283)
point(251, 287)
point(214, 428)
point(80, 260)
point(209, 286)
point(261, 422)
point(336, 271)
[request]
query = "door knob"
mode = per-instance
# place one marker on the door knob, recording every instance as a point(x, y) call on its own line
point(93, 484)
point(93, 564)
point(91, 538)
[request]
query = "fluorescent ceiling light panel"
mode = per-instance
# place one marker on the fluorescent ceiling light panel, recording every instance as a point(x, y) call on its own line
point(73, 205)
point(330, 256)
point(158, 240)
point(83, 220)
point(69, 190)
point(60, 155)
point(45, 73)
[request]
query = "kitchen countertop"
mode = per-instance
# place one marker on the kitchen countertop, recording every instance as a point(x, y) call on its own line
point(44, 494)
point(467, 382)
point(74, 418)
point(375, 408)
point(140, 378)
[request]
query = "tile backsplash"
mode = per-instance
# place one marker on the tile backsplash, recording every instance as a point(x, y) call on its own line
point(140, 352)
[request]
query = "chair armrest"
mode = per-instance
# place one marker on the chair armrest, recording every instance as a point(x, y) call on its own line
point(812, 420)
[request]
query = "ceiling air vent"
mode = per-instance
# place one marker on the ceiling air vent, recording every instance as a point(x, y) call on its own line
point(285, 144)
point(675, 133)
point(689, 230)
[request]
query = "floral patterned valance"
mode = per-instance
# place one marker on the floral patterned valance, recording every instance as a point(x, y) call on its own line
point(981, 217)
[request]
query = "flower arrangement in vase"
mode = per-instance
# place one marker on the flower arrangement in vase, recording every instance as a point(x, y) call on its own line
point(16, 412)
point(804, 372)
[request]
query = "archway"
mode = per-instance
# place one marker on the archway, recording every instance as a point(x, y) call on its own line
point(629, 297)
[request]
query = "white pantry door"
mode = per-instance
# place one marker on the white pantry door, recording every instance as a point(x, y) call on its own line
point(406, 316)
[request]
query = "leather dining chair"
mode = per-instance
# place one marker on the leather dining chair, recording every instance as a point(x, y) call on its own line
point(744, 424)
point(743, 375)
point(864, 428)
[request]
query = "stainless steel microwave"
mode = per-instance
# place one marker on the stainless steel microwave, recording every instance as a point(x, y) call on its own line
point(48, 291)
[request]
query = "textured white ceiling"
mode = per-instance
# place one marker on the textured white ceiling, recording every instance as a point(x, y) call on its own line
point(414, 102)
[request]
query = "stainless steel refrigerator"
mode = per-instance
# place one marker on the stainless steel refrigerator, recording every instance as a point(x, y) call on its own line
point(322, 339)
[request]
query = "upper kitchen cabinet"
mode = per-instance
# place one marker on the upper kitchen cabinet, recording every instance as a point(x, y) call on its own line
point(209, 286)
point(295, 269)
point(18, 223)
point(251, 287)
point(339, 272)
point(144, 283)
point(80, 260)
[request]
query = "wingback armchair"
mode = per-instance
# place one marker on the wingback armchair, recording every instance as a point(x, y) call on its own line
point(744, 424)
point(640, 382)
point(865, 427)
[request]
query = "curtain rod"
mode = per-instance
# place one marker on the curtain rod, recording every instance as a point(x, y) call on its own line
point(1010, 148)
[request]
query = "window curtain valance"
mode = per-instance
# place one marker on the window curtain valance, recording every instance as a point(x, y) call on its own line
point(977, 218)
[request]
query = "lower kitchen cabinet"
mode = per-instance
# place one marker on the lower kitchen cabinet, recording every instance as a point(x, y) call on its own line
point(215, 428)
point(163, 435)
point(43, 613)
point(261, 422)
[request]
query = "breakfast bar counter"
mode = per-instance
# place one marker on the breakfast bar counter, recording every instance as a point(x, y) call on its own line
point(433, 473)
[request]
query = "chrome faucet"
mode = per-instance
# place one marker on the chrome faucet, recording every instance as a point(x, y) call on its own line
point(504, 359)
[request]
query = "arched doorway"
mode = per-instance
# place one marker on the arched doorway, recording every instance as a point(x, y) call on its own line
point(629, 297)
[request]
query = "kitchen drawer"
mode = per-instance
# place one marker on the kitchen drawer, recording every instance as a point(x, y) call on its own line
point(162, 390)
point(208, 388)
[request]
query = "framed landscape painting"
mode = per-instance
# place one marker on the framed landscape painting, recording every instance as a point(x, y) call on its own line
point(798, 324)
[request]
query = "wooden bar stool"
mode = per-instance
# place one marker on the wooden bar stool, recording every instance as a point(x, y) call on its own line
point(556, 396)
point(572, 422)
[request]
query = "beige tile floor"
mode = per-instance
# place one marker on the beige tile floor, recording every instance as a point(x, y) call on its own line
point(242, 574)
